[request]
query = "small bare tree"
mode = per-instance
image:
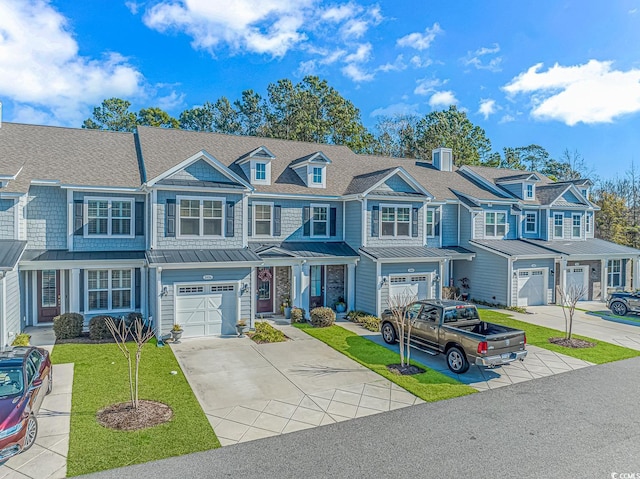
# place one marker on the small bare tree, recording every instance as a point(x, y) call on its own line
point(569, 298)
point(404, 319)
point(140, 335)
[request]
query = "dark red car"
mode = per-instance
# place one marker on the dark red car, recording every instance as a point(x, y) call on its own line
point(26, 377)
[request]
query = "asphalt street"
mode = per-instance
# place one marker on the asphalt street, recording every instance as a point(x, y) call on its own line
point(580, 424)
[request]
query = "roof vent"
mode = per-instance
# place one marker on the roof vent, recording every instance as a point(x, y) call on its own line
point(442, 158)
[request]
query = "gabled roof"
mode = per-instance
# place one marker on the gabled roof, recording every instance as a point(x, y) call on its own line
point(579, 182)
point(552, 195)
point(365, 184)
point(528, 176)
point(317, 157)
point(261, 152)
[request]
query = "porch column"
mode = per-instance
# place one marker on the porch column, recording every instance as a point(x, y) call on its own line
point(74, 293)
point(304, 286)
point(604, 273)
point(563, 276)
point(441, 271)
point(351, 286)
point(143, 290)
point(63, 291)
point(445, 273)
point(635, 282)
point(159, 294)
point(296, 271)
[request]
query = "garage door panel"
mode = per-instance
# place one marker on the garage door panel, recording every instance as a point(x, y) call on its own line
point(531, 288)
point(414, 286)
point(206, 310)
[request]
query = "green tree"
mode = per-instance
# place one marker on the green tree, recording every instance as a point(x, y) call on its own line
point(396, 136)
point(534, 157)
point(225, 118)
point(113, 114)
point(611, 220)
point(252, 113)
point(452, 129)
point(198, 118)
point(156, 117)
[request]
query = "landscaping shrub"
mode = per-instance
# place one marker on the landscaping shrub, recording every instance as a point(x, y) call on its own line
point(355, 315)
point(131, 318)
point(21, 340)
point(370, 322)
point(323, 317)
point(265, 333)
point(68, 325)
point(297, 315)
point(98, 328)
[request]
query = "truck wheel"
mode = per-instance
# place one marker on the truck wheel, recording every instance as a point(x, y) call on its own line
point(618, 308)
point(388, 333)
point(457, 361)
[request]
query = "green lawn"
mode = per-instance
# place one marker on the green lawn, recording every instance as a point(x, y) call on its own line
point(100, 378)
point(430, 386)
point(630, 317)
point(539, 336)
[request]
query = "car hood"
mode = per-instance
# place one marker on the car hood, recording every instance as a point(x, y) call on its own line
point(11, 409)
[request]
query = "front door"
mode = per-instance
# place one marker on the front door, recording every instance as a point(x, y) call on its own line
point(48, 295)
point(264, 304)
point(316, 293)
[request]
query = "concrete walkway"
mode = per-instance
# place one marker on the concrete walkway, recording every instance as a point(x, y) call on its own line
point(250, 391)
point(47, 458)
point(539, 363)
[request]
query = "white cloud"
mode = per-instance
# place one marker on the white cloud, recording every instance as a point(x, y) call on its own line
point(588, 93)
point(396, 109)
point(308, 67)
point(339, 13)
point(397, 65)
point(487, 107)
point(356, 73)
point(418, 62)
point(507, 119)
point(134, 7)
point(427, 86)
point(42, 73)
point(442, 99)
point(478, 59)
point(420, 41)
point(362, 54)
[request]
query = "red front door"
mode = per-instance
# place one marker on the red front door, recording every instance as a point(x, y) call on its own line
point(48, 295)
point(264, 304)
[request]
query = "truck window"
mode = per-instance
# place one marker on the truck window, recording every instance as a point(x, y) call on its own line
point(413, 310)
point(429, 313)
point(460, 313)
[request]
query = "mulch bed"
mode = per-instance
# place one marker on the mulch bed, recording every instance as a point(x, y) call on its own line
point(572, 343)
point(405, 370)
point(84, 339)
point(124, 417)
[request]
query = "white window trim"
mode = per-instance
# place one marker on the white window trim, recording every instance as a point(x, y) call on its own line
point(535, 224)
point(311, 221)
point(253, 219)
point(588, 222)
point(553, 225)
point(495, 225)
point(574, 216)
point(611, 273)
point(201, 229)
point(310, 182)
point(267, 171)
point(526, 191)
point(109, 199)
point(432, 223)
point(395, 226)
point(110, 290)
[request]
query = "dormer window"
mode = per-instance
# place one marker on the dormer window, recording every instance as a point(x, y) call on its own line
point(585, 193)
point(312, 169)
point(256, 165)
point(317, 175)
point(529, 191)
point(261, 171)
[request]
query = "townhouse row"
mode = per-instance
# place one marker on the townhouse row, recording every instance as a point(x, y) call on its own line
point(203, 229)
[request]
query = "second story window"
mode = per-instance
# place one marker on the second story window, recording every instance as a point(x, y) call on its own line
point(262, 220)
point(588, 222)
point(430, 224)
point(495, 224)
point(529, 191)
point(558, 225)
point(531, 222)
point(396, 221)
point(200, 217)
point(576, 226)
point(317, 175)
point(109, 217)
point(320, 221)
point(261, 171)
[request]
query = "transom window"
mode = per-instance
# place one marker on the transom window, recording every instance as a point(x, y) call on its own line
point(531, 222)
point(200, 217)
point(430, 224)
point(317, 175)
point(107, 217)
point(558, 225)
point(319, 221)
point(262, 219)
point(396, 221)
point(614, 273)
point(261, 171)
point(109, 289)
point(529, 191)
point(576, 226)
point(495, 224)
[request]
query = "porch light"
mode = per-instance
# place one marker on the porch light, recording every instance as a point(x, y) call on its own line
point(244, 288)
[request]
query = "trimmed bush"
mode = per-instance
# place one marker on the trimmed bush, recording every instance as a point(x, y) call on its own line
point(355, 314)
point(21, 340)
point(370, 322)
point(297, 315)
point(265, 333)
point(323, 317)
point(68, 325)
point(131, 318)
point(98, 327)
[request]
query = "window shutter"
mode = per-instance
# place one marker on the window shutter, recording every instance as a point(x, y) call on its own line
point(332, 221)
point(277, 211)
point(375, 220)
point(306, 213)
point(230, 219)
point(139, 218)
point(170, 217)
point(138, 295)
point(436, 222)
point(78, 217)
point(249, 220)
point(414, 222)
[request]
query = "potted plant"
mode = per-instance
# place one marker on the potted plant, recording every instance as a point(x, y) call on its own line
point(464, 285)
point(176, 333)
point(286, 307)
point(340, 305)
point(242, 327)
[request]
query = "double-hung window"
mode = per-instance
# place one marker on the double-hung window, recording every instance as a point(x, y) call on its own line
point(495, 224)
point(201, 216)
point(430, 223)
point(614, 273)
point(576, 226)
point(317, 175)
point(529, 191)
point(319, 221)
point(261, 171)
point(109, 289)
point(588, 222)
point(396, 220)
point(262, 219)
point(558, 225)
point(531, 222)
point(109, 217)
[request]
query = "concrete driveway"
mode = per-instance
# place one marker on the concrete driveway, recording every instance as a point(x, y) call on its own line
point(250, 391)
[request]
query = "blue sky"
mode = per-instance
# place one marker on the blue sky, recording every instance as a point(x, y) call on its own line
point(561, 74)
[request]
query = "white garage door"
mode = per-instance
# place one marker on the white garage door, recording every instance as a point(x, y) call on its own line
point(577, 278)
point(206, 309)
point(413, 286)
point(531, 287)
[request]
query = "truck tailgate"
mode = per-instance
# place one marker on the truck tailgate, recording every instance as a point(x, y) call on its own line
point(505, 342)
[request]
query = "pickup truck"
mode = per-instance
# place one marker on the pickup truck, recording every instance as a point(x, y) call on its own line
point(454, 328)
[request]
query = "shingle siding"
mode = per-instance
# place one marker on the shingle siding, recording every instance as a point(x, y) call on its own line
point(7, 219)
point(200, 170)
point(46, 217)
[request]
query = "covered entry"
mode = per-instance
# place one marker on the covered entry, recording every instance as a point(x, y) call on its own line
point(206, 309)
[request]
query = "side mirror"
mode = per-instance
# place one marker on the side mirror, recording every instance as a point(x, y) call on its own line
point(36, 384)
